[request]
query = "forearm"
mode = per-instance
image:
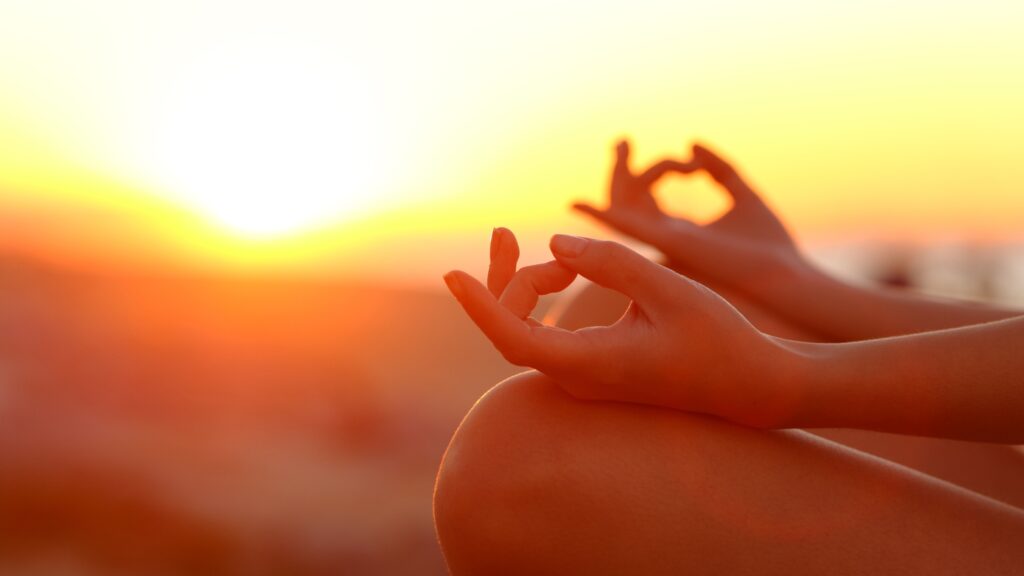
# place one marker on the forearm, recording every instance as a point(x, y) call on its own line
point(964, 383)
point(841, 311)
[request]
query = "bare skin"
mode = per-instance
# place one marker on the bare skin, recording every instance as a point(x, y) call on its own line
point(988, 469)
point(683, 350)
point(697, 353)
point(991, 470)
point(749, 251)
point(538, 482)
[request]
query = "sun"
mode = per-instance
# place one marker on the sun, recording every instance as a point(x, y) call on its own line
point(268, 144)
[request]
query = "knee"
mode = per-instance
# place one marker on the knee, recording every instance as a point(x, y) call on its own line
point(503, 466)
point(536, 481)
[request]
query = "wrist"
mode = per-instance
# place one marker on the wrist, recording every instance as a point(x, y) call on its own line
point(788, 381)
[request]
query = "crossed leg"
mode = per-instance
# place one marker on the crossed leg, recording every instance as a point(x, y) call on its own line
point(992, 470)
point(537, 482)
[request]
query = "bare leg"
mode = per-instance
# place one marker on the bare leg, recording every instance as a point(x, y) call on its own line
point(992, 470)
point(536, 482)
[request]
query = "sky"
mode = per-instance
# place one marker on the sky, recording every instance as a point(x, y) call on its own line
point(385, 139)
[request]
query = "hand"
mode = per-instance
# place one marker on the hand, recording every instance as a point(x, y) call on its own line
point(745, 248)
point(678, 345)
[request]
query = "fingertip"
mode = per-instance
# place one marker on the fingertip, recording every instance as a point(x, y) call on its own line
point(502, 239)
point(510, 243)
point(568, 246)
point(708, 158)
point(495, 242)
point(454, 283)
point(593, 211)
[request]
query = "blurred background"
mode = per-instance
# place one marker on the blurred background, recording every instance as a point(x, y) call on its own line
point(224, 343)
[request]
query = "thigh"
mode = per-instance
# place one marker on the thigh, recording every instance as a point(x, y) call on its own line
point(992, 470)
point(550, 484)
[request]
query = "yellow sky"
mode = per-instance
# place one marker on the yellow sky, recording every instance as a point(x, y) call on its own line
point(391, 136)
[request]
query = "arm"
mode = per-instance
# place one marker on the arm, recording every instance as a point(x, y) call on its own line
point(841, 311)
point(679, 345)
point(748, 251)
point(965, 383)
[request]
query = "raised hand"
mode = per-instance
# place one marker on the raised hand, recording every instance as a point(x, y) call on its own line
point(678, 345)
point(744, 249)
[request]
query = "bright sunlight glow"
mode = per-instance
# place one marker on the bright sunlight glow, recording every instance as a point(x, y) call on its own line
point(267, 144)
point(344, 136)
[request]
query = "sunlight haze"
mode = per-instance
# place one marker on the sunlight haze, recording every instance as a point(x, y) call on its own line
point(323, 137)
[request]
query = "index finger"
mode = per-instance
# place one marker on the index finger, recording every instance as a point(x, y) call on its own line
point(540, 347)
point(659, 170)
point(622, 177)
point(504, 257)
point(531, 282)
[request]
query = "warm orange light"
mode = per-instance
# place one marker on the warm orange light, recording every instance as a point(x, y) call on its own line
point(266, 140)
point(407, 130)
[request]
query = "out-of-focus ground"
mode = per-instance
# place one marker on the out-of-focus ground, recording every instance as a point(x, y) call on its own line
point(210, 426)
point(226, 426)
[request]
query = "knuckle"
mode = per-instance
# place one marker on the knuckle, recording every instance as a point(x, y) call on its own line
point(626, 260)
point(606, 251)
point(604, 268)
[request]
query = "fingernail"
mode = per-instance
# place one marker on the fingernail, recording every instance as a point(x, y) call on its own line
point(495, 233)
point(454, 285)
point(565, 245)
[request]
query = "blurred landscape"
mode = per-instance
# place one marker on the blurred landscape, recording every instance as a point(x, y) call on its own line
point(214, 426)
point(204, 425)
point(188, 382)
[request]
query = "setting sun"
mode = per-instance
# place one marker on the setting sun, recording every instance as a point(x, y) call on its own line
point(401, 130)
point(259, 260)
point(266, 141)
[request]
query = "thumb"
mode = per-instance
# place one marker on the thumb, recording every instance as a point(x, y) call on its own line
point(723, 173)
point(614, 266)
point(589, 210)
point(629, 223)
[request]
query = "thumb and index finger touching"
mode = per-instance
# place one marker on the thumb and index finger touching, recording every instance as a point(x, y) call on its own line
point(624, 182)
point(702, 158)
point(615, 266)
point(501, 309)
point(519, 290)
point(606, 263)
point(505, 322)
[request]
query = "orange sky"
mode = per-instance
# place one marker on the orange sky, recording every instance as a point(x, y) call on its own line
point(388, 139)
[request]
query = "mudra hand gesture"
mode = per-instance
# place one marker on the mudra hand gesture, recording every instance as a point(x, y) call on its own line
point(679, 344)
point(745, 247)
